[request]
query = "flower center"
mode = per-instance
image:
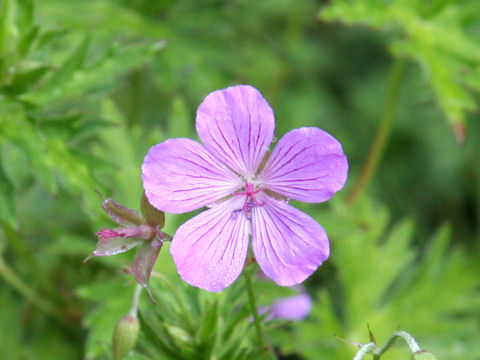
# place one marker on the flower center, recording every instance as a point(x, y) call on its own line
point(250, 201)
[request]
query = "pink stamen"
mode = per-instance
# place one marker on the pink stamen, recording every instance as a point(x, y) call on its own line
point(105, 233)
point(249, 192)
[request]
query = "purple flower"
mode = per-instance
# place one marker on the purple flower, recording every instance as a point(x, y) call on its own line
point(296, 307)
point(246, 190)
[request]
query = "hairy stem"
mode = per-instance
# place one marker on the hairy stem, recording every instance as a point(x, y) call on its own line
point(412, 344)
point(365, 349)
point(377, 352)
point(256, 318)
point(136, 299)
point(378, 146)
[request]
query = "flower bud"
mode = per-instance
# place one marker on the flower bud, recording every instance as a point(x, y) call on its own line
point(423, 355)
point(125, 336)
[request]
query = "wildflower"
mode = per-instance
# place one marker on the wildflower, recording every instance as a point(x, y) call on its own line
point(247, 192)
point(134, 230)
point(295, 307)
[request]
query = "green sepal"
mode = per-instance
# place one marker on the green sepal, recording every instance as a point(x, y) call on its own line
point(152, 215)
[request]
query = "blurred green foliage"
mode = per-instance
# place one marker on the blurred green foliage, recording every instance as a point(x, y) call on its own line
point(381, 281)
point(86, 87)
point(441, 35)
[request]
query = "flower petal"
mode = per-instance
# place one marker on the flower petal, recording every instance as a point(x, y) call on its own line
point(210, 249)
point(179, 175)
point(295, 307)
point(307, 164)
point(236, 124)
point(288, 244)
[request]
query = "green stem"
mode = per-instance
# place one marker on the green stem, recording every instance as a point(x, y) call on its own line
point(377, 352)
point(412, 344)
point(365, 349)
point(42, 304)
point(378, 146)
point(135, 301)
point(256, 318)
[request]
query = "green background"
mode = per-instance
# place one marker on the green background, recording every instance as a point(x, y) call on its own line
point(86, 87)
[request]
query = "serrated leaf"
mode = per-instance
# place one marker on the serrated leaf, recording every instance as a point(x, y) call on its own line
point(437, 36)
point(77, 76)
point(66, 71)
point(384, 285)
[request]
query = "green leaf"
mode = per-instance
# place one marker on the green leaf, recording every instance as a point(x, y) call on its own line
point(10, 326)
point(113, 301)
point(66, 72)
point(15, 165)
point(26, 79)
point(8, 27)
point(208, 330)
point(79, 74)
point(438, 35)
point(27, 41)
point(384, 285)
point(25, 14)
point(7, 202)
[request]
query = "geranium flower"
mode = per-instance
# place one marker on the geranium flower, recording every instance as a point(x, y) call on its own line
point(295, 307)
point(134, 230)
point(246, 190)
